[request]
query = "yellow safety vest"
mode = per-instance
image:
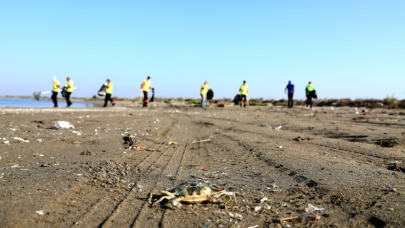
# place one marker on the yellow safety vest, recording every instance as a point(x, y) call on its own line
point(110, 88)
point(310, 88)
point(70, 86)
point(55, 86)
point(204, 89)
point(244, 89)
point(146, 85)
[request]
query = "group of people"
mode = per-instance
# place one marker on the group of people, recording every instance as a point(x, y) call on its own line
point(309, 93)
point(146, 86)
point(69, 87)
point(55, 91)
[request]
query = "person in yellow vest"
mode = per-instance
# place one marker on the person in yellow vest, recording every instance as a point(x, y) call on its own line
point(69, 90)
point(55, 90)
point(108, 93)
point(308, 91)
point(146, 85)
point(243, 94)
point(203, 93)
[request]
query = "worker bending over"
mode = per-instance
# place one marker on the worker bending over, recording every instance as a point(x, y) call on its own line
point(243, 94)
point(69, 91)
point(145, 88)
point(108, 95)
point(55, 90)
point(203, 92)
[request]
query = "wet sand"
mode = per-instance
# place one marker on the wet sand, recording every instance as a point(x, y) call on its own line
point(334, 159)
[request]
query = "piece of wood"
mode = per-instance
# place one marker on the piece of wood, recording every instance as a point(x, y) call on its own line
point(205, 140)
point(290, 218)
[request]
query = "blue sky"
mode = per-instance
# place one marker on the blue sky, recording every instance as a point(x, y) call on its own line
point(352, 49)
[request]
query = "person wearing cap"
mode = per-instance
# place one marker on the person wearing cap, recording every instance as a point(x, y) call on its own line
point(291, 91)
point(108, 93)
point(244, 93)
point(146, 85)
point(203, 93)
point(69, 90)
point(55, 90)
point(308, 91)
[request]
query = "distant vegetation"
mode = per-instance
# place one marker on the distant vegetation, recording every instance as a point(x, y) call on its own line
point(252, 103)
point(194, 101)
point(167, 101)
point(392, 102)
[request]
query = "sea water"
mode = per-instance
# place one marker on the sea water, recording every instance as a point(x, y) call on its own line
point(12, 102)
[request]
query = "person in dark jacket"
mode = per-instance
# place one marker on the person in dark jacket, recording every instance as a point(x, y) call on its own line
point(291, 91)
point(308, 91)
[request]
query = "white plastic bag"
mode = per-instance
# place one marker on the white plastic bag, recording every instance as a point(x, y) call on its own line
point(311, 208)
point(63, 124)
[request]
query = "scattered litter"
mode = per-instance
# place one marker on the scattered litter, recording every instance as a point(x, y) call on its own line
point(41, 212)
point(39, 140)
point(0, 158)
point(16, 166)
point(63, 124)
point(21, 140)
point(257, 208)
point(277, 128)
point(311, 208)
point(205, 169)
point(208, 220)
point(255, 226)
point(171, 143)
point(263, 200)
point(40, 155)
point(273, 188)
point(6, 142)
point(280, 147)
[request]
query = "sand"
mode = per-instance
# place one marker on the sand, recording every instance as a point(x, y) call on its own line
point(334, 159)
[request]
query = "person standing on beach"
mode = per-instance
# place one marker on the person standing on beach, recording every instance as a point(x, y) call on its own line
point(55, 90)
point(69, 90)
point(145, 88)
point(108, 93)
point(203, 93)
point(308, 91)
point(244, 93)
point(291, 91)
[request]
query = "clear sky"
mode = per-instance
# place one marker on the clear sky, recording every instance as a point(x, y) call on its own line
point(352, 49)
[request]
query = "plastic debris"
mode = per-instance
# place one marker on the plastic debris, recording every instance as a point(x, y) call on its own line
point(0, 158)
point(255, 226)
point(16, 166)
point(21, 140)
point(39, 140)
point(41, 212)
point(263, 200)
point(6, 142)
point(273, 188)
point(257, 208)
point(63, 124)
point(311, 208)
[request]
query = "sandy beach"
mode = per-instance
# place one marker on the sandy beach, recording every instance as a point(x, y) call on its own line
point(349, 165)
